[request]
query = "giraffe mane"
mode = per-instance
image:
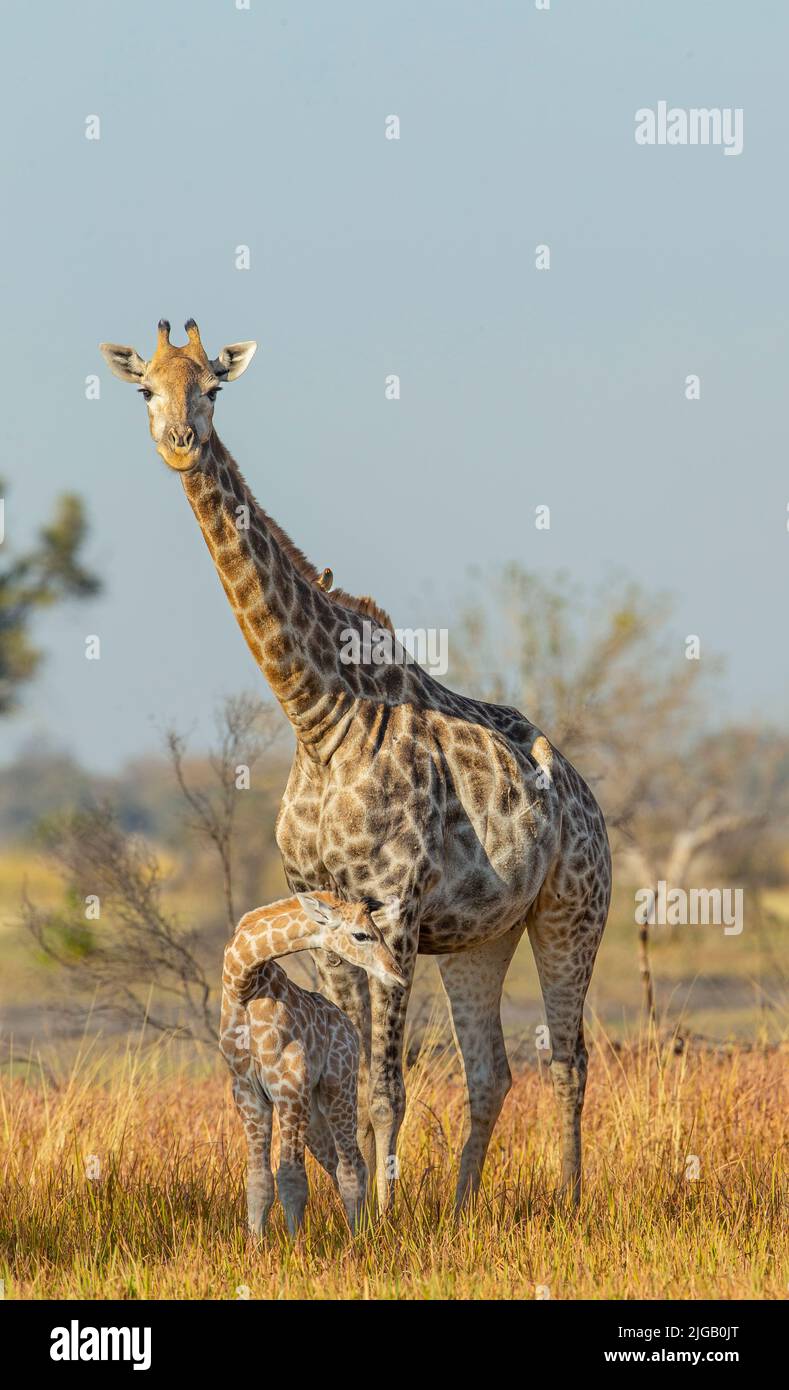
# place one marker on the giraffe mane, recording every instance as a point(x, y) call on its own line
point(339, 597)
point(364, 604)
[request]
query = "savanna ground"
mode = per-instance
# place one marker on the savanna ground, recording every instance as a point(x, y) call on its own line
point(122, 1159)
point(162, 1215)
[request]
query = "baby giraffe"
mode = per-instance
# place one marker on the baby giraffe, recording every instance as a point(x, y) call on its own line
point(292, 1049)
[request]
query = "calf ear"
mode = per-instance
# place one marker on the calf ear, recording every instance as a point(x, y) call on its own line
point(316, 910)
point(123, 362)
point(233, 360)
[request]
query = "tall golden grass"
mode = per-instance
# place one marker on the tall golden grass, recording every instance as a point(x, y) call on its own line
point(162, 1214)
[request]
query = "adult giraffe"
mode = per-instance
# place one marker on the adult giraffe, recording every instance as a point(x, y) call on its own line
point(399, 788)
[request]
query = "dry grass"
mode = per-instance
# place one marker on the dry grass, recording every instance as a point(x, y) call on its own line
point(164, 1219)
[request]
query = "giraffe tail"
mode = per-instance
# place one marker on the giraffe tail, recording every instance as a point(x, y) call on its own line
point(542, 753)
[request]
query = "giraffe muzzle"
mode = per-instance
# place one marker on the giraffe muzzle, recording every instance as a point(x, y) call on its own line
point(181, 441)
point(388, 974)
point(180, 458)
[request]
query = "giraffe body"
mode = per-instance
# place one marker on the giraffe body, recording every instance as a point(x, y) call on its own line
point(295, 1052)
point(517, 842)
point(460, 809)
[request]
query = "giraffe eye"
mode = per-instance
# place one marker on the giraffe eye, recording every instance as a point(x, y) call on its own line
point(361, 936)
point(145, 393)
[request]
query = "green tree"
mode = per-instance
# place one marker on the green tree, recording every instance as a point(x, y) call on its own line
point(50, 571)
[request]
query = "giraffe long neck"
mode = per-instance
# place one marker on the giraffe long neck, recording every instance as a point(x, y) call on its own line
point(277, 930)
point(290, 626)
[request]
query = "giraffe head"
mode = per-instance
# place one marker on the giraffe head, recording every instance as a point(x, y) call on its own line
point(179, 386)
point(353, 931)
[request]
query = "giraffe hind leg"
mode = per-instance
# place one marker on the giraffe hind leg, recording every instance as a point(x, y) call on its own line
point(256, 1114)
point(473, 982)
point(320, 1140)
point(292, 1185)
point(337, 1095)
point(340, 1108)
point(565, 954)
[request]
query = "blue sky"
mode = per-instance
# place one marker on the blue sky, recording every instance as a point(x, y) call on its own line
point(265, 127)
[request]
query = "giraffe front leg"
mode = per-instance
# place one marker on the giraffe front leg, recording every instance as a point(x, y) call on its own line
point(388, 1004)
point(387, 1088)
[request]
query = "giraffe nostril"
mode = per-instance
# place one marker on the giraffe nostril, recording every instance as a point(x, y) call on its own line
point(181, 439)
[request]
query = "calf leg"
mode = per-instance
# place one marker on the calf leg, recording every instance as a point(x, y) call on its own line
point(320, 1141)
point(346, 985)
point(338, 1101)
point(256, 1116)
point(254, 1108)
point(291, 1173)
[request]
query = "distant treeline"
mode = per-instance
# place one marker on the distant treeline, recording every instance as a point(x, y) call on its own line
point(43, 783)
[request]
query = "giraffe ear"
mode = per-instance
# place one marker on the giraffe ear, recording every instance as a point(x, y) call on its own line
point(233, 360)
point(316, 910)
point(123, 362)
